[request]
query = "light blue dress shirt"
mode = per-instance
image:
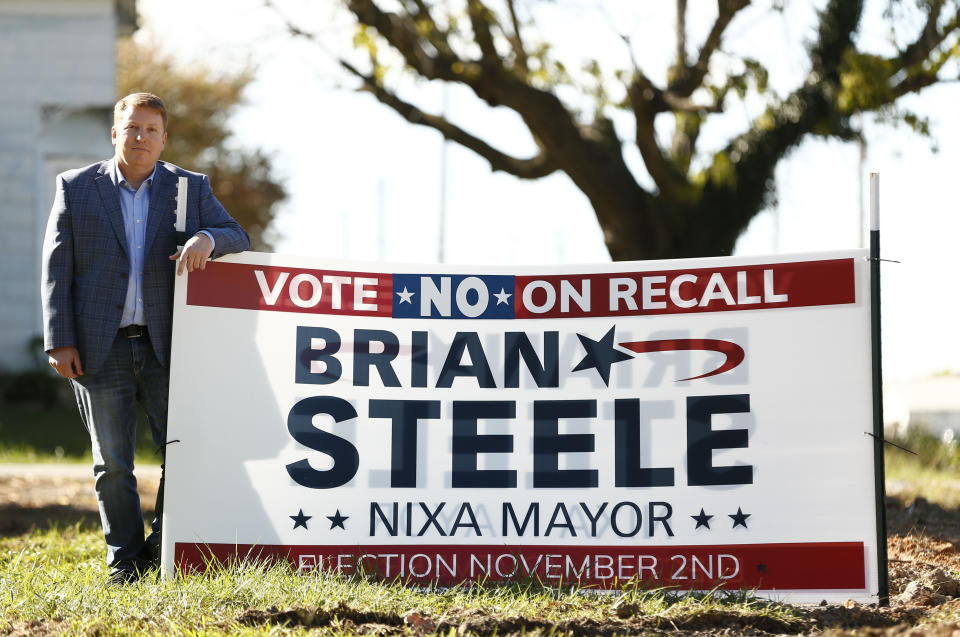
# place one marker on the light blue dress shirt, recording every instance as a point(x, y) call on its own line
point(135, 205)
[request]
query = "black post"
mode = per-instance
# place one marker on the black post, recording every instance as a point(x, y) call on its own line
point(878, 465)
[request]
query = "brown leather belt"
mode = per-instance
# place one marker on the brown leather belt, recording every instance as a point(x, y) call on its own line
point(133, 331)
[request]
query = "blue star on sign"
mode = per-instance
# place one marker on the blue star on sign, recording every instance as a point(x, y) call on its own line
point(337, 520)
point(300, 519)
point(739, 518)
point(702, 520)
point(601, 355)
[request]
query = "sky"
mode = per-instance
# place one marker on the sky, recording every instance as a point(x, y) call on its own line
point(365, 185)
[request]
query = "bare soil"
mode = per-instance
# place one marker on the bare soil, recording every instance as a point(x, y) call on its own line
point(54, 495)
point(924, 574)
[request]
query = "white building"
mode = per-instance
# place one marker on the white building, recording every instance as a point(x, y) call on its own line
point(57, 90)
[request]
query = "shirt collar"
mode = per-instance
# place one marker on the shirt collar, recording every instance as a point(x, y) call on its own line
point(121, 180)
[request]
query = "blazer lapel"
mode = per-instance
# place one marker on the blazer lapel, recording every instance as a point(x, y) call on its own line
point(110, 198)
point(162, 204)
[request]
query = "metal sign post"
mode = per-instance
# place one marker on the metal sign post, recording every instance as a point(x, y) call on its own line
point(880, 485)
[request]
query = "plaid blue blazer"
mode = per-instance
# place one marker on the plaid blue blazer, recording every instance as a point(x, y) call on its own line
point(86, 265)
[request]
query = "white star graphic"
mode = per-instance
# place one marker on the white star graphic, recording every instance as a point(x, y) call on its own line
point(405, 295)
point(502, 297)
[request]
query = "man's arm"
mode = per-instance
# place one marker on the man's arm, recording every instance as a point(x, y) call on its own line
point(56, 281)
point(219, 234)
point(228, 235)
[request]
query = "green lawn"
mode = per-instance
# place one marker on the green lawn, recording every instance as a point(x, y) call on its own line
point(910, 477)
point(53, 581)
point(30, 433)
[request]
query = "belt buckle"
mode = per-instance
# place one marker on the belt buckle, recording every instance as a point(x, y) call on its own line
point(133, 331)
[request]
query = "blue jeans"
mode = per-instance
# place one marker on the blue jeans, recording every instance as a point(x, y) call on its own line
point(107, 402)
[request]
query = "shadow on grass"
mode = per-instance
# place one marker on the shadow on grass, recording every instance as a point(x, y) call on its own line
point(917, 515)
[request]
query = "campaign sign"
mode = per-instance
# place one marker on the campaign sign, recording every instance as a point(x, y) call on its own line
point(693, 424)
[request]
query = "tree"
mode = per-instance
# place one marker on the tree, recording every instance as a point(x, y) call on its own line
point(700, 202)
point(199, 105)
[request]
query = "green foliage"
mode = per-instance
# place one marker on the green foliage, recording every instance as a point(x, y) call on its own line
point(30, 432)
point(930, 472)
point(863, 81)
point(931, 452)
point(30, 387)
point(720, 172)
point(200, 104)
point(365, 38)
point(754, 78)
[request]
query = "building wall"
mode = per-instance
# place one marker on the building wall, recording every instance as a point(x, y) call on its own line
point(57, 86)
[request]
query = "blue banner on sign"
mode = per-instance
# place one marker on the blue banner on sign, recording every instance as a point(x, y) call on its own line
point(455, 296)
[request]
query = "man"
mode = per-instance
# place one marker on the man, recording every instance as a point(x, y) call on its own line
point(107, 291)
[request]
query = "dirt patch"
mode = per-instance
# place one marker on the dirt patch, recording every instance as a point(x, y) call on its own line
point(39, 502)
point(853, 615)
point(478, 622)
point(919, 517)
point(341, 617)
point(35, 628)
point(460, 622)
point(828, 620)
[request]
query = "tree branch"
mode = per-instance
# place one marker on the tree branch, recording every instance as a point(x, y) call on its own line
point(516, 41)
point(436, 36)
point(480, 19)
point(646, 101)
point(919, 79)
point(545, 115)
point(928, 39)
point(422, 9)
point(533, 168)
point(741, 175)
point(401, 33)
point(591, 157)
point(921, 70)
point(659, 101)
point(681, 34)
point(873, 81)
point(690, 78)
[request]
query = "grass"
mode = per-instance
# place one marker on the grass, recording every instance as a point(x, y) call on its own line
point(932, 472)
point(909, 480)
point(54, 580)
point(30, 433)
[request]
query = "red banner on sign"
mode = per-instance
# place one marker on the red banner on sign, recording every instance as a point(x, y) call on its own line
point(747, 287)
point(788, 566)
point(284, 289)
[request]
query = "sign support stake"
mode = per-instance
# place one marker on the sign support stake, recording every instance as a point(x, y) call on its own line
point(181, 224)
point(883, 594)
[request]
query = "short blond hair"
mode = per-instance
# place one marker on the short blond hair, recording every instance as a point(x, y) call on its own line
point(143, 100)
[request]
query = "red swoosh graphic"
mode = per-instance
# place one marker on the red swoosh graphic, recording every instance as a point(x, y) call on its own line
point(732, 351)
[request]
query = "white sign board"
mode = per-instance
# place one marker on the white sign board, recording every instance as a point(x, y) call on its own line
point(690, 424)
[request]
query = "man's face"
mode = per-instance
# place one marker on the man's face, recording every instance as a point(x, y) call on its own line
point(139, 138)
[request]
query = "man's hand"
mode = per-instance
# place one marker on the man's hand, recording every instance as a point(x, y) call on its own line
point(195, 254)
point(66, 360)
